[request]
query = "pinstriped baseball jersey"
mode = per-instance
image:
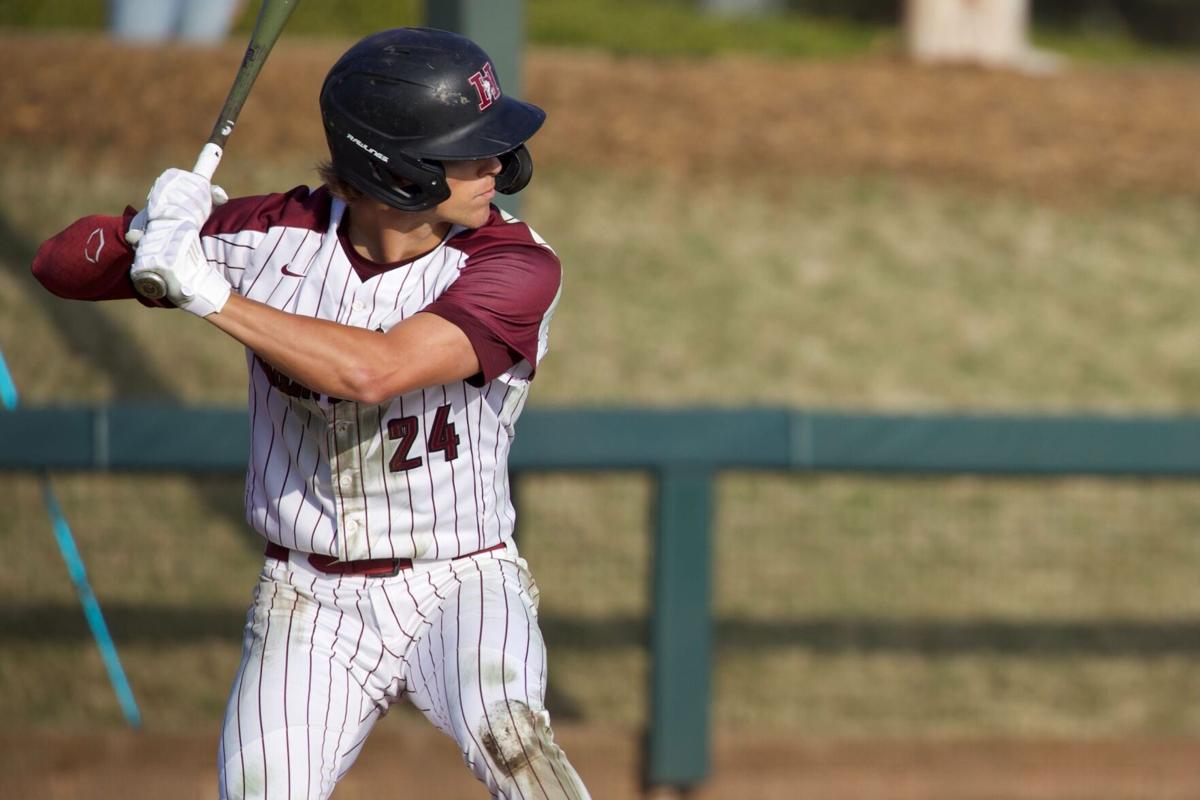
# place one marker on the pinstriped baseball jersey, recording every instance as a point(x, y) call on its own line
point(418, 476)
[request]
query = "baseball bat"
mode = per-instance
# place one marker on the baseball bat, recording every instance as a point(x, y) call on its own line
point(272, 16)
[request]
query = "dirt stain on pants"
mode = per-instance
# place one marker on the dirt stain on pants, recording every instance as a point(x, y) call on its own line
point(519, 742)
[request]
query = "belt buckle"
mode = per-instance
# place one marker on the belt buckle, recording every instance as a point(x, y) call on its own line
point(366, 568)
point(396, 565)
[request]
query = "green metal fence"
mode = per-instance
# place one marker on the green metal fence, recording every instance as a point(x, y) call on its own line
point(684, 449)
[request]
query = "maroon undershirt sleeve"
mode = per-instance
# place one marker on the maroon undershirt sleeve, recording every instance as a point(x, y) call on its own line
point(88, 260)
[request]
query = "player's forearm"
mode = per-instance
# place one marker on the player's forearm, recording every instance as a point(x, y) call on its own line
point(344, 361)
point(326, 357)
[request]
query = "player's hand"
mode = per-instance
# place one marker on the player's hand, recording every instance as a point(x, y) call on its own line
point(170, 248)
point(176, 194)
point(180, 194)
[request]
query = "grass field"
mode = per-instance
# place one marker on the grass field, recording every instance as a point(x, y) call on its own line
point(859, 292)
point(846, 607)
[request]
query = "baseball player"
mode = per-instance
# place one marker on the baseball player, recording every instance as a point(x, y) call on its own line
point(393, 321)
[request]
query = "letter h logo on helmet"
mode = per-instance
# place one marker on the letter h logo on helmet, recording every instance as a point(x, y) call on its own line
point(486, 85)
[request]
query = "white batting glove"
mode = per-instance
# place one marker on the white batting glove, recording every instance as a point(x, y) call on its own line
point(170, 249)
point(177, 194)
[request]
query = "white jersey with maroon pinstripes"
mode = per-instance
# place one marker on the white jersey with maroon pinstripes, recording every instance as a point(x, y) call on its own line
point(419, 476)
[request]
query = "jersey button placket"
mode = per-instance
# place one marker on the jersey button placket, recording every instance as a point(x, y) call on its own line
point(345, 442)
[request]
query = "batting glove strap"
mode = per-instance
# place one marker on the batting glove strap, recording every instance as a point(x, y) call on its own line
point(182, 195)
point(171, 250)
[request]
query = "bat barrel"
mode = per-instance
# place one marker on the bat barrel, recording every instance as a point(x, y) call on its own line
point(272, 16)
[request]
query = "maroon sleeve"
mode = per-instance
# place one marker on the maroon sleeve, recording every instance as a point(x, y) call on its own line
point(299, 207)
point(499, 301)
point(89, 260)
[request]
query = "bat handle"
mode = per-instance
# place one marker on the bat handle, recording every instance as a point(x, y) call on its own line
point(210, 157)
point(150, 285)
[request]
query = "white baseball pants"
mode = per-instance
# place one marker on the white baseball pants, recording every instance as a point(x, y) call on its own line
point(323, 658)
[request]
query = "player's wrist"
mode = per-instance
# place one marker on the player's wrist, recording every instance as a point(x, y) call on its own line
point(206, 294)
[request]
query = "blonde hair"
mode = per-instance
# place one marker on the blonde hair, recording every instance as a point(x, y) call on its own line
point(338, 185)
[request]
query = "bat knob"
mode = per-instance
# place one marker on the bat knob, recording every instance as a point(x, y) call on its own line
point(151, 286)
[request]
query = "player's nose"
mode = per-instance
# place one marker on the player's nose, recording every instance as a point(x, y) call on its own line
point(490, 166)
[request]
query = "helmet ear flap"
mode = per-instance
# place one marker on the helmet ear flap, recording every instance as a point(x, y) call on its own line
point(413, 186)
point(516, 170)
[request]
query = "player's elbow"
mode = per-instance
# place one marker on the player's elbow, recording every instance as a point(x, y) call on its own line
point(61, 277)
point(368, 395)
point(365, 385)
point(374, 383)
point(44, 272)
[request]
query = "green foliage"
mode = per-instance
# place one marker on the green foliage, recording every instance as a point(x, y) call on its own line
point(39, 14)
point(671, 27)
point(1103, 46)
point(877, 11)
point(1103, 30)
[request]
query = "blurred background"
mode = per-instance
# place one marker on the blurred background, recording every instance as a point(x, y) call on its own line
point(758, 203)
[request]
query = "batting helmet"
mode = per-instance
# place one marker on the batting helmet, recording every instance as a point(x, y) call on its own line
point(400, 102)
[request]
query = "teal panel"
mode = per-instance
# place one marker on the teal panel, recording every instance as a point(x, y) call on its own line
point(53, 438)
point(197, 439)
point(647, 439)
point(681, 631)
point(1078, 444)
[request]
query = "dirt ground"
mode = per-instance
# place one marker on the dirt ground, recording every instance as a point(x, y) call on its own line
point(1067, 136)
point(416, 762)
point(1083, 130)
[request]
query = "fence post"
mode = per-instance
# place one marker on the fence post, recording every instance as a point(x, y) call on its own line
point(681, 630)
point(498, 26)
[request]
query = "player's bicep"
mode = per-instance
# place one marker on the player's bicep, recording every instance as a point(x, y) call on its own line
point(428, 350)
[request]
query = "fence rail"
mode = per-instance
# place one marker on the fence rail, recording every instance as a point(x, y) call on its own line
point(133, 437)
point(683, 449)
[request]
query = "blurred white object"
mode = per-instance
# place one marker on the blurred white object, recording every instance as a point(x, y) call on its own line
point(195, 21)
point(733, 8)
point(993, 33)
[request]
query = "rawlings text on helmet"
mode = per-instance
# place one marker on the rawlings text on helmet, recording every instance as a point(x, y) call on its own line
point(367, 147)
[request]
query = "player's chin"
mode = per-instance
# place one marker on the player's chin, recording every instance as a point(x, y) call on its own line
point(477, 215)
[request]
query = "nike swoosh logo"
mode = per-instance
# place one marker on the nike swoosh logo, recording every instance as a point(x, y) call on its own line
point(287, 271)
